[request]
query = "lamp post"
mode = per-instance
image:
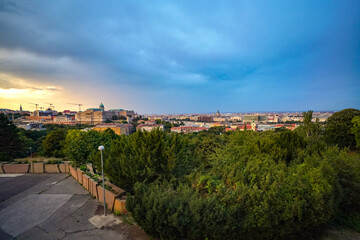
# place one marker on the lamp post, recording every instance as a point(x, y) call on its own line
point(30, 151)
point(101, 148)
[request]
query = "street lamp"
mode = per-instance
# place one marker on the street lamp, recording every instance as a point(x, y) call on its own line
point(30, 151)
point(101, 148)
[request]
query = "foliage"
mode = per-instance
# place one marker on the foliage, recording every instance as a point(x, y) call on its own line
point(11, 142)
point(53, 127)
point(254, 189)
point(147, 156)
point(83, 168)
point(53, 143)
point(338, 128)
point(356, 129)
point(55, 161)
point(226, 185)
point(81, 147)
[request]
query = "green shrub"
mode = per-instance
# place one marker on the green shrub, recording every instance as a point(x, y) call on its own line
point(83, 168)
point(251, 192)
point(338, 129)
point(54, 161)
point(263, 200)
point(147, 156)
point(52, 145)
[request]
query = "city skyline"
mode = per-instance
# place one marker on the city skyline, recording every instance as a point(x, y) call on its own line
point(164, 57)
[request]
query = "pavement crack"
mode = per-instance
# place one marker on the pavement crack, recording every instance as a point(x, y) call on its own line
point(78, 231)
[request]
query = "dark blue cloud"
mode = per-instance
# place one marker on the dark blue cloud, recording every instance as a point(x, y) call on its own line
point(233, 55)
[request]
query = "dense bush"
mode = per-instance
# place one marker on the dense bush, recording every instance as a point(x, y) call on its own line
point(81, 147)
point(338, 128)
point(225, 185)
point(53, 143)
point(248, 194)
point(13, 143)
point(356, 130)
point(148, 156)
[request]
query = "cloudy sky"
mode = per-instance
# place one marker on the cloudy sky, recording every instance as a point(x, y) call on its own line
point(181, 56)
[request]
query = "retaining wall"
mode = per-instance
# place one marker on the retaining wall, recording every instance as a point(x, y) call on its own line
point(113, 202)
point(37, 167)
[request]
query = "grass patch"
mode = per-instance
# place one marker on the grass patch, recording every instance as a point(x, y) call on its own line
point(127, 218)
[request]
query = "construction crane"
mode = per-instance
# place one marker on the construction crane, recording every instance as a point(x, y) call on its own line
point(36, 104)
point(51, 106)
point(79, 104)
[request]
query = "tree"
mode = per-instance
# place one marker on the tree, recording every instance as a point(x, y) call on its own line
point(338, 128)
point(82, 147)
point(146, 156)
point(312, 132)
point(218, 130)
point(10, 144)
point(356, 129)
point(307, 117)
point(53, 143)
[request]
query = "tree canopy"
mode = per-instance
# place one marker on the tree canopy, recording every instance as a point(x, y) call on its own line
point(338, 128)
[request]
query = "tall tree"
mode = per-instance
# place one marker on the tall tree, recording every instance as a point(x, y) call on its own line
point(10, 143)
point(338, 128)
point(356, 130)
point(53, 143)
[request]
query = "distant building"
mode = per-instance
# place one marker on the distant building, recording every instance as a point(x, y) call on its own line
point(273, 119)
point(39, 118)
point(126, 114)
point(119, 129)
point(101, 106)
point(265, 127)
point(252, 127)
point(32, 126)
point(219, 119)
point(254, 118)
point(93, 116)
point(149, 127)
point(47, 112)
point(188, 129)
point(291, 127)
point(68, 112)
point(204, 118)
point(235, 118)
point(64, 119)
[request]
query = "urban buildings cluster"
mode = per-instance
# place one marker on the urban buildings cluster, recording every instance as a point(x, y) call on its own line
point(123, 121)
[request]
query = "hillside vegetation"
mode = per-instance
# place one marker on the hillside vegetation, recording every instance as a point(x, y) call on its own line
point(231, 185)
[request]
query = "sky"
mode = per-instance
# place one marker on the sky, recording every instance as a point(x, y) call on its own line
point(181, 56)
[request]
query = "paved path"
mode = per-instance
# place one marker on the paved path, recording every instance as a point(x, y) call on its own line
point(53, 206)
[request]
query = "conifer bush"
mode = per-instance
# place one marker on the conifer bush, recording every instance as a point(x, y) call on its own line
point(251, 191)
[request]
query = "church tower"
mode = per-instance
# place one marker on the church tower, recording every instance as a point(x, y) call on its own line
point(20, 108)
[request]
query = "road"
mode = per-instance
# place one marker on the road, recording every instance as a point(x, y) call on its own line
point(54, 206)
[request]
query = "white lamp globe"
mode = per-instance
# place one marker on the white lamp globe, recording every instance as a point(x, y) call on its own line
point(101, 148)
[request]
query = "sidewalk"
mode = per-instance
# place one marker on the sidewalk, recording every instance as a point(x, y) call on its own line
point(55, 207)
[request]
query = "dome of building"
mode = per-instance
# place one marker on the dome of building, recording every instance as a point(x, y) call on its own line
point(101, 106)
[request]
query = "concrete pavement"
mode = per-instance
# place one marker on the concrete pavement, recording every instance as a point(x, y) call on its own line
point(54, 206)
